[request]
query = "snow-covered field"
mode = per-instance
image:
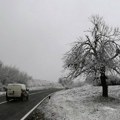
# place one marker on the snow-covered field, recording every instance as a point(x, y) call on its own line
point(84, 103)
point(42, 84)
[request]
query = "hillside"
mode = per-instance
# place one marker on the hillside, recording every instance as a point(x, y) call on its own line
point(83, 103)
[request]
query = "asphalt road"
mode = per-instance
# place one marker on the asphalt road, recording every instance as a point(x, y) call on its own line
point(15, 110)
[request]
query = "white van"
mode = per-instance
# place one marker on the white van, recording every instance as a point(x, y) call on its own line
point(14, 91)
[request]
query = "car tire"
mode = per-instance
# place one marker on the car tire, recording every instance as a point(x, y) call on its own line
point(24, 98)
point(27, 98)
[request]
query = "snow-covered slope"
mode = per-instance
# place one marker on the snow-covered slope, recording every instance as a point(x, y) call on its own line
point(84, 103)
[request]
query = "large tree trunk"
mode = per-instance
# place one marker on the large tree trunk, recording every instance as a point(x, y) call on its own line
point(104, 83)
point(104, 88)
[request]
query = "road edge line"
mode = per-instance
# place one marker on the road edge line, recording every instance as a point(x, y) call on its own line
point(5, 102)
point(26, 115)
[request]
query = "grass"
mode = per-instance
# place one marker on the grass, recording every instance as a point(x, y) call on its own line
point(36, 115)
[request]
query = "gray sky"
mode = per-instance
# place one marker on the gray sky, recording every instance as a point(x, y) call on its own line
point(34, 34)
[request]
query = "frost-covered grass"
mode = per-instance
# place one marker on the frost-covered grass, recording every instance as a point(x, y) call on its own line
point(84, 103)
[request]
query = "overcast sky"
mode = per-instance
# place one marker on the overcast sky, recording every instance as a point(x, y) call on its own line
point(34, 34)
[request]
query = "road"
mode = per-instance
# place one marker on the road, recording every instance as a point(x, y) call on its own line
point(15, 110)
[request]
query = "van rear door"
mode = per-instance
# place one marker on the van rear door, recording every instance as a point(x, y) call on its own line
point(14, 91)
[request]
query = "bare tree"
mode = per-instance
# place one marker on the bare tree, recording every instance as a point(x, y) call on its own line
point(97, 53)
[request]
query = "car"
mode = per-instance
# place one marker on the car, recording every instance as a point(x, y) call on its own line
point(17, 91)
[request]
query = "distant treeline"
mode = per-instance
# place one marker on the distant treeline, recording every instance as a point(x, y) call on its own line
point(111, 80)
point(10, 74)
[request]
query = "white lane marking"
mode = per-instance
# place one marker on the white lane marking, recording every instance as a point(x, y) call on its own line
point(25, 116)
point(4, 102)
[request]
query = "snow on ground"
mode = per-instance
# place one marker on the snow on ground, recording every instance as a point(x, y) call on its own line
point(42, 84)
point(84, 103)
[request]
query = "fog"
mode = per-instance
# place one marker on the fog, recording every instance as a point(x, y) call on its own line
point(35, 34)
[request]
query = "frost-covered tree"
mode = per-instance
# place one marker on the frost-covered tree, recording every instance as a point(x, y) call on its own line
point(9, 74)
point(96, 53)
